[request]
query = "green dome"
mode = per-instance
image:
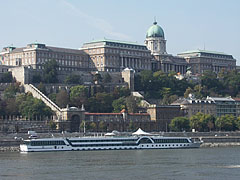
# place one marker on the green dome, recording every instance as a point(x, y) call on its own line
point(155, 31)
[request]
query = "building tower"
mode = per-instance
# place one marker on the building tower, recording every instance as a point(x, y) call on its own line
point(155, 40)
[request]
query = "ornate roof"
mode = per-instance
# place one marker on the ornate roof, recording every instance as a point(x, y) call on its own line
point(155, 31)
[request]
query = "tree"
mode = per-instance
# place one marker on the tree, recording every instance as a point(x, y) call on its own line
point(202, 122)
point(93, 126)
point(2, 107)
point(52, 125)
point(50, 72)
point(73, 79)
point(179, 124)
point(102, 126)
point(210, 80)
point(105, 101)
point(52, 96)
point(11, 107)
point(7, 77)
point(36, 78)
point(31, 107)
point(78, 95)
point(97, 78)
point(238, 123)
point(42, 88)
point(195, 121)
point(121, 92)
point(11, 91)
point(107, 78)
point(131, 104)
point(118, 104)
point(62, 99)
point(188, 91)
point(226, 123)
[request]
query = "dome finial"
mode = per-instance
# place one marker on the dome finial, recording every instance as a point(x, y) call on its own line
point(155, 22)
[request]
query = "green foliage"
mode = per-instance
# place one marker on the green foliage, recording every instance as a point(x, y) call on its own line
point(52, 96)
point(6, 77)
point(78, 95)
point(11, 107)
point(52, 125)
point(132, 104)
point(131, 126)
point(97, 77)
point(202, 122)
point(159, 84)
point(2, 107)
point(11, 91)
point(238, 123)
point(102, 102)
point(36, 78)
point(179, 124)
point(210, 81)
point(41, 87)
point(107, 78)
point(119, 105)
point(121, 92)
point(73, 79)
point(102, 126)
point(226, 123)
point(93, 126)
point(31, 107)
point(62, 99)
point(50, 72)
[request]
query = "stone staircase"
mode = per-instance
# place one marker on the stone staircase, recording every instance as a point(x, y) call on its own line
point(38, 94)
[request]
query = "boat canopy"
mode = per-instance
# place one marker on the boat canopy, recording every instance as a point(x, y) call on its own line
point(140, 132)
point(110, 134)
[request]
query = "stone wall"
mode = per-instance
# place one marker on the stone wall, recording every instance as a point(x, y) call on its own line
point(163, 115)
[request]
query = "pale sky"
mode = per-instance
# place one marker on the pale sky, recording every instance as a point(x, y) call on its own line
point(187, 24)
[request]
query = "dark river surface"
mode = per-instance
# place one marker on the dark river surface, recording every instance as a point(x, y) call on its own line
point(202, 164)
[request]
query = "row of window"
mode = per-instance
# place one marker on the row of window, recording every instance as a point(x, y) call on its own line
point(96, 51)
point(103, 140)
point(44, 143)
point(101, 145)
point(126, 45)
point(170, 141)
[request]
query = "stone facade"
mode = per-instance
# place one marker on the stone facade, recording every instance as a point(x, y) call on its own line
point(202, 60)
point(36, 54)
point(156, 43)
point(237, 100)
point(114, 56)
point(216, 106)
point(224, 105)
point(193, 106)
point(163, 115)
point(121, 121)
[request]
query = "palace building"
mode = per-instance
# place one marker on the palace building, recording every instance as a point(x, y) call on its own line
point(36, 54)
point(202, 60)
point(115, 56)
point(156, 43)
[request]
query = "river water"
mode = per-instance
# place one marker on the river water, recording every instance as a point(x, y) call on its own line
point(200, 164)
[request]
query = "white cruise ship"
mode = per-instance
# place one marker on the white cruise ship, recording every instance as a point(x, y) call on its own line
point(107, 143)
